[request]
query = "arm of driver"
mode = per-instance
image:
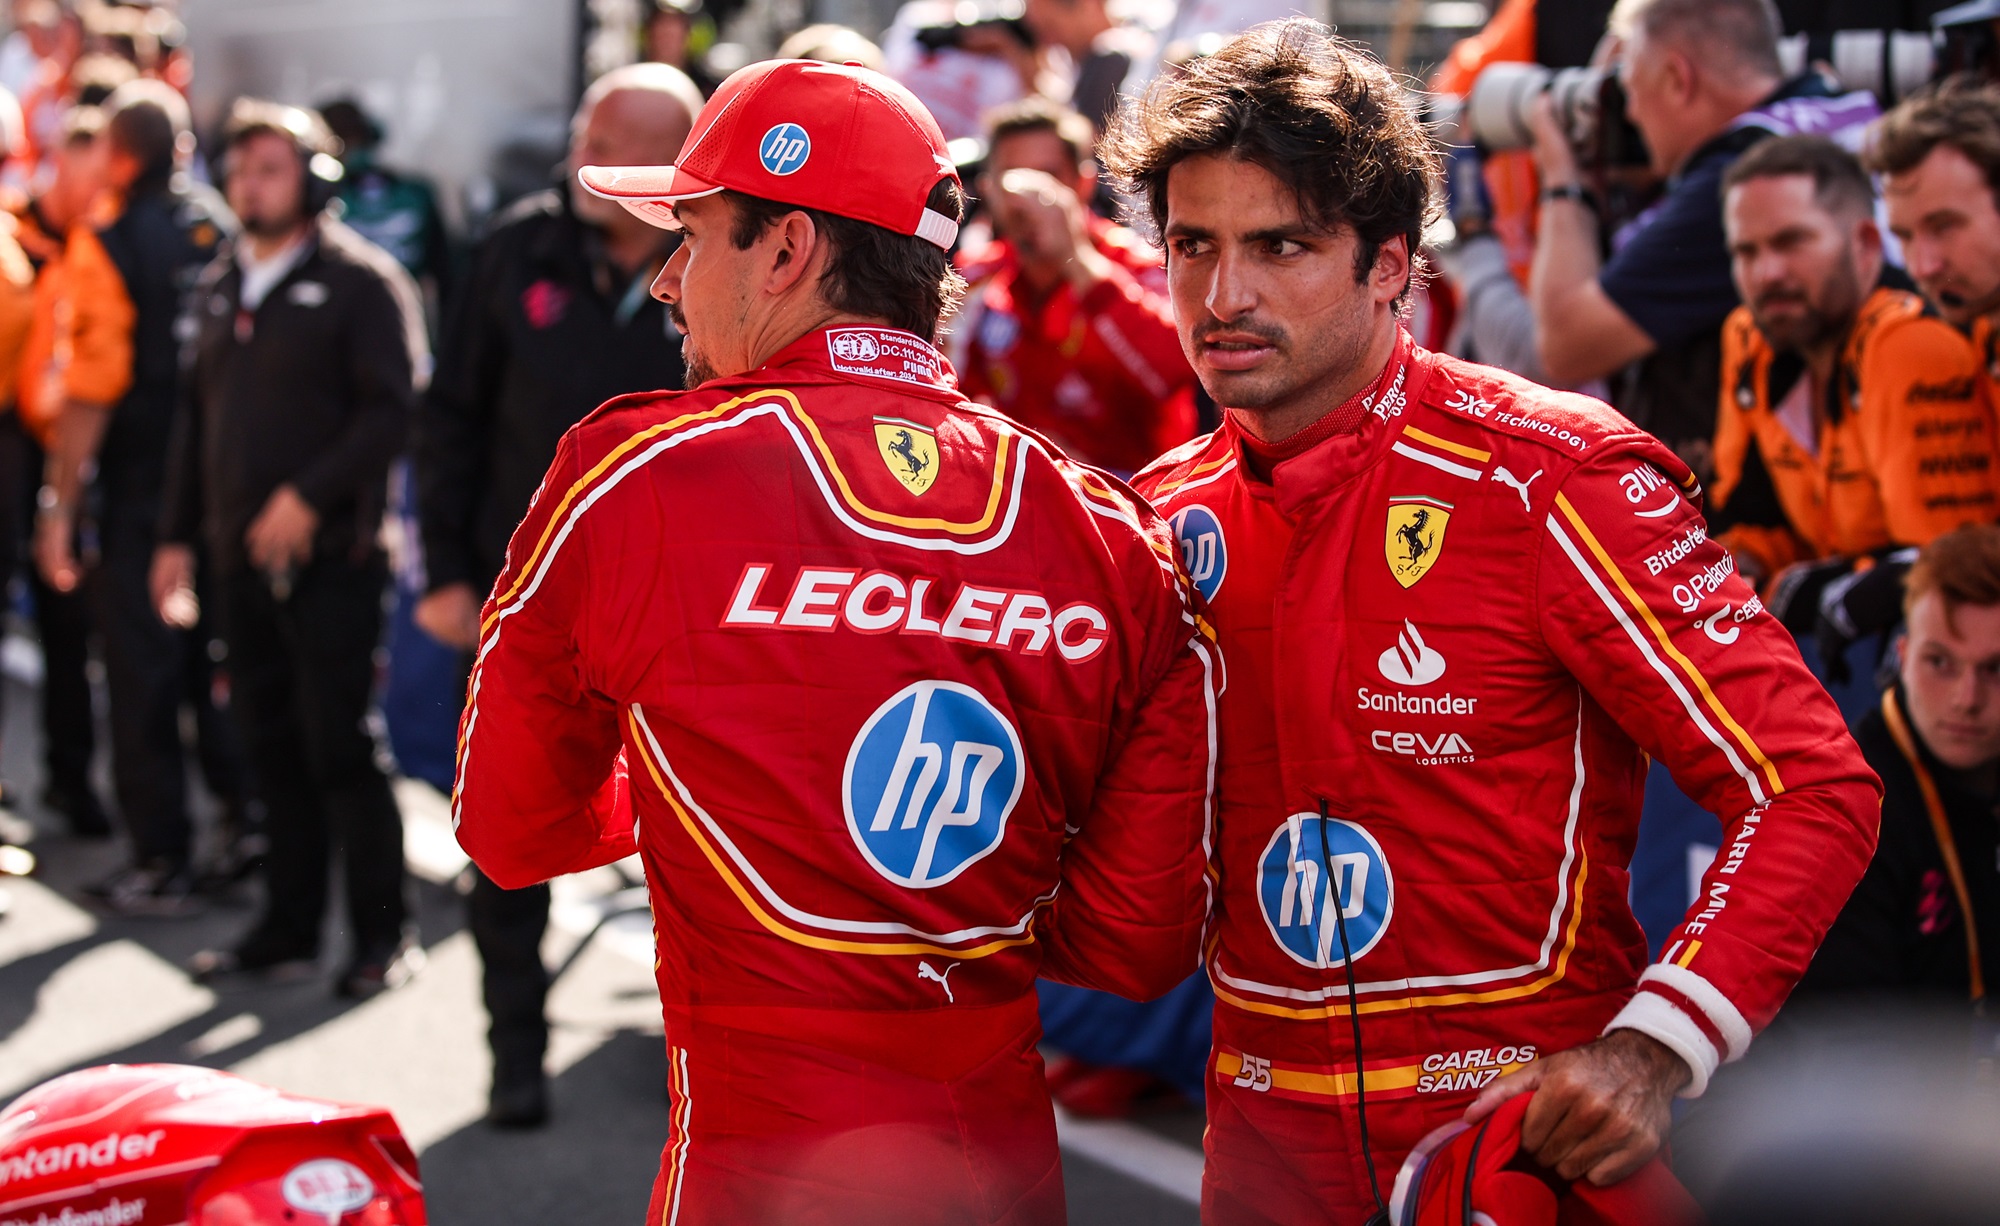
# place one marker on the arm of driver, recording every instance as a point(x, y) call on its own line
point(1645, 612)
point(1135, 892)
point(541, 789)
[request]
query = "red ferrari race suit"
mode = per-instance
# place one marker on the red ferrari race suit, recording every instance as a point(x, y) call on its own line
point(1454, 633)
point(1102, 374)
point(911, 709)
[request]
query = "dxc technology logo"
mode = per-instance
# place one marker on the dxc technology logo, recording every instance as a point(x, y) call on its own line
point(784, 149)
point(1204, 554)
point(930, 783)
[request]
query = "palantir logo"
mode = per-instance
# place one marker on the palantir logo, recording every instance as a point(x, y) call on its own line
point(1411, 661)
point(1204, 554)
point(930, 783)
point(784, 149)
point(1312, 865)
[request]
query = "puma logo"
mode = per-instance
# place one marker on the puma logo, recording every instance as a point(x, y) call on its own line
point(1514, 483)
point(926, 971)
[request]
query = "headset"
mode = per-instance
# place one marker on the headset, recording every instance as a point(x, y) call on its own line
point(320, 170)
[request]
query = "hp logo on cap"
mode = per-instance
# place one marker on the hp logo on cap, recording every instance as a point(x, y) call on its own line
point(784, 149)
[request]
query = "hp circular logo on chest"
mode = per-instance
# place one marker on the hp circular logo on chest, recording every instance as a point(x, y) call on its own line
point(784, 149)
point(1300, 880)
point(930, 782)
point(1204, 555)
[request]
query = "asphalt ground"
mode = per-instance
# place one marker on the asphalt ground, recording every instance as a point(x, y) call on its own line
point(79, 987)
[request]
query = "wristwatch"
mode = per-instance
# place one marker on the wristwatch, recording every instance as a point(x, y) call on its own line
point(1569, 191)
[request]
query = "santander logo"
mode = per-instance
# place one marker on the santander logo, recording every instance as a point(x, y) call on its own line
point(1411, 661)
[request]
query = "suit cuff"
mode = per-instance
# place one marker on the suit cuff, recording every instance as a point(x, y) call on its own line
point(1689, 1016)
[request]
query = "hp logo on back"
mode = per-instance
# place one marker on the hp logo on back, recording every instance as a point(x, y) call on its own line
point(1301, 880)
point(930, 783)
point(784, 149)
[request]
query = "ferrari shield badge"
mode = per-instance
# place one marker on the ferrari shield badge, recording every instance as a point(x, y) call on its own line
point(910, 451)
point(1415, 536)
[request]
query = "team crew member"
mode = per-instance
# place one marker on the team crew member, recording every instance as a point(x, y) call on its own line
point(555, 320)
point(1459, 611)
point(1850, 420)
point(1069, 328)
point(1939, 158)
point(911, 708)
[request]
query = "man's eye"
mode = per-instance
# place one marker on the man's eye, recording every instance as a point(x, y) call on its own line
point(1189, 248)
point(1283, 246)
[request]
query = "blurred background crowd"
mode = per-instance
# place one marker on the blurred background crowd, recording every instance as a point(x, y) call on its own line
point(296, 301)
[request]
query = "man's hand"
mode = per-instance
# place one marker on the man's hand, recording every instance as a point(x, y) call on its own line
point(1555, 159)
point(55, 549)
point(450, 615)
point(171, 584)
point(1601, 1111)
point(281, 537)
point(1049, 226)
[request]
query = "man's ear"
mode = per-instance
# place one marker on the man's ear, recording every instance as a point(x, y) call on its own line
point(793, 247)
point(1390, 277)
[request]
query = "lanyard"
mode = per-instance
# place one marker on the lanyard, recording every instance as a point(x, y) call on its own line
point(1899, 730)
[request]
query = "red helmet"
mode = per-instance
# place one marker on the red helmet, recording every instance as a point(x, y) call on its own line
point(165, 1144)
point(1462, 1174)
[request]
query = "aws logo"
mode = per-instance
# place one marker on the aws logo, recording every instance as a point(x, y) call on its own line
point(1311, 866)
point(930, 782)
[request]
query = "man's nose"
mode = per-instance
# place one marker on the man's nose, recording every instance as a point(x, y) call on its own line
point(1232, 292)
point(667, 286)
point(1922, 259)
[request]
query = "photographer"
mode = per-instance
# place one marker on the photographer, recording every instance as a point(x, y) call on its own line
point(1703, 83)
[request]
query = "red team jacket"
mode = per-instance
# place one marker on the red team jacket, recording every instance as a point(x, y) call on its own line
point(1102, 375)
point(1459, 632)
point(910, 708)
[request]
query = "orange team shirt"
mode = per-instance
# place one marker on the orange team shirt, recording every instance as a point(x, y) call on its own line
point(1906, 440)
point(79, 346)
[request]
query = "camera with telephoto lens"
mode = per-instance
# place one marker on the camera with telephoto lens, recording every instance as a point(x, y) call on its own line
point(1590, 103)
point(969, 15)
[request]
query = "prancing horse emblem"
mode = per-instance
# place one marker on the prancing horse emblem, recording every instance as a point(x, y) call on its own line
point(1415, 536)
point(909, 451)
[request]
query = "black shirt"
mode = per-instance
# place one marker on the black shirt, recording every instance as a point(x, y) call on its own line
point(314, 388)
point(1903, 931)
point(159, 243)
point(543, 332)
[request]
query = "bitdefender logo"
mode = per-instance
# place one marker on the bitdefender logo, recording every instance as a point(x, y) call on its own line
point(1411, 661)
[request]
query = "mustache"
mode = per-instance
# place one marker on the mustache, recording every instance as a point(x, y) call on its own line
point(1263, 332)
point(679, 320)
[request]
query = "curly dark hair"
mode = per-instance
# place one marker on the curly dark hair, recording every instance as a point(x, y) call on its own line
point(1318, 112)
point(873, 272)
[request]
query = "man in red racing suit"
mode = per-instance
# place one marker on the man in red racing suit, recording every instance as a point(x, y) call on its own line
point(909, 708)
point(1459, 612)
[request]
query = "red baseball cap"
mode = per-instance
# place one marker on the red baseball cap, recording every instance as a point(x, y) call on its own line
point(836, 137)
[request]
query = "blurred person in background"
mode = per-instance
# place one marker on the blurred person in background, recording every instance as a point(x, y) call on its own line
point(1924, 924)
point(392, 209)
point(1068, 326)
point(831, 44)
point(1938, 155)
point(79, 348)
point(676, 34)
point(1849, 419)
point(1101, 51)
point(555, 318)
point(1703, 83)
point(301, 378)
point(17, 277)
point(105, 469)
point(961, 60)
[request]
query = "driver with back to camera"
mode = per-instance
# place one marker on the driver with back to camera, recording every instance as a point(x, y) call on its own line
point(901, 707)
